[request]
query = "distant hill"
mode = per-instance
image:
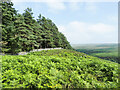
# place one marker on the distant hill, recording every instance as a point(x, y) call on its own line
point(21, 32)
point(93, 46)
point(104, 51)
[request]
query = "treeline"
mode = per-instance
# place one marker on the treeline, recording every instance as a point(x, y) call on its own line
point(21, 32)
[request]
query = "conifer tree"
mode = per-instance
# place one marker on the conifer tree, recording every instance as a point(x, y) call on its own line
point(31, 22)
point(8, 15)
point(21, 32)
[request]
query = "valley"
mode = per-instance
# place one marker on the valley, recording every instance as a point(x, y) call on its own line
point(104, 51)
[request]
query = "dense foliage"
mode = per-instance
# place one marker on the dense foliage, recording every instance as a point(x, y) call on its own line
point(58, 69)
point(21, 32)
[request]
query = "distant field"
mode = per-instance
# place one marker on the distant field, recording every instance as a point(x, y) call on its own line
point(104, 51)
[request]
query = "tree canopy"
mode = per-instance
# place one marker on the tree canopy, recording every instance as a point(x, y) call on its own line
point(21, 32)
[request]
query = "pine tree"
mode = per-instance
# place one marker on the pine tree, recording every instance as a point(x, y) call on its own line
point(44, 34)
point(24, 33)
point(31, 22)
point(8, 15)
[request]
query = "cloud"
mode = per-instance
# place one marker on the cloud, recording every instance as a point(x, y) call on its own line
point(91, 6)
point(57, 5)
point(65, 0)
point(101, 28)
point(113, 19)
point(19, 1)
point(62, 28)
point(74, 6)
point(81, 32)
point(54, 5)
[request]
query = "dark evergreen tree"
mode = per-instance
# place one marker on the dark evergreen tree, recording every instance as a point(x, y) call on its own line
point(31, 22)
point(46, 34)
point(24, 33)
point(8, 16)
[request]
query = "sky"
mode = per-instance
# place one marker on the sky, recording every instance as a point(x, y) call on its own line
point(81, 21)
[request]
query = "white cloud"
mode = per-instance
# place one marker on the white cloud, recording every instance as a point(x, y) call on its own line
point(81, 32)
point(113, 19)
point(101, 28)
point(62, 28)
point(19, 1)
point(91, 6)
point(55, 5)
point(66, 0)
point(74, 5)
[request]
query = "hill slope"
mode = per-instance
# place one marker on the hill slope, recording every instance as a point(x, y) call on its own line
point(58, 69)
point(103, 51)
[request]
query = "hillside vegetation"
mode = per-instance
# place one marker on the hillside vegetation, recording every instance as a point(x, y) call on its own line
point(103, 51)
point(63, 68)
point(58, 69)
point(21, 32)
